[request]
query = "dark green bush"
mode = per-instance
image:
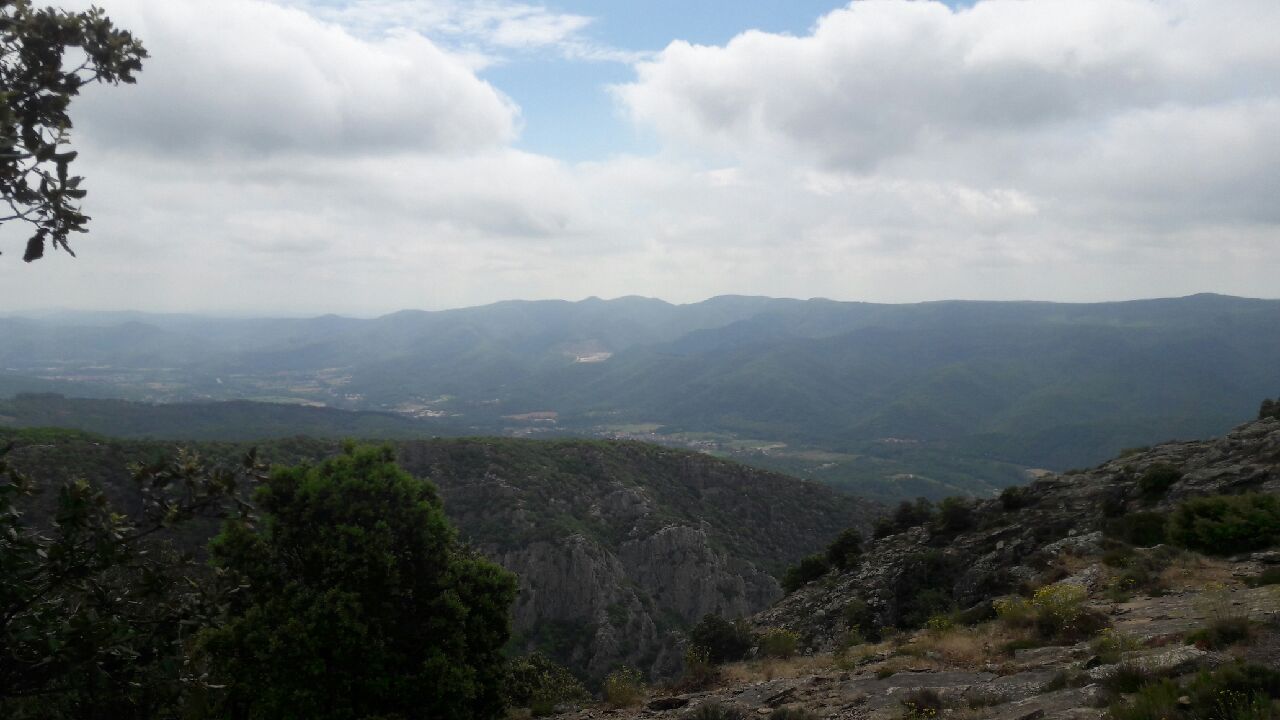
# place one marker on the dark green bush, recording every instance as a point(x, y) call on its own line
point(906, 516)
point(955, 515)
point(1269, 409)
point(1222, 633)
point(1143, 529)
point(1232, 692)
point(859, 618)
point(1158, 479)
point(1270, 576)
point(792, 713)
point(723, 640)
point(1227, 524)
point(539, 683)
point(922, 704)
point(715, 711)
point(924, 588)
point(1014, 498)
point(805, 572)
point(845, 552)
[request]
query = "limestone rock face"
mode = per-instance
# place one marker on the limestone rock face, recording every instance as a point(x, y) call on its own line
point(620, 546)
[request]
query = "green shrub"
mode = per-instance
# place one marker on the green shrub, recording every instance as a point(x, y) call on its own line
point(1111, 644)
point(539, 683)
point(1143, 529)
point(792, 713)
point(1270, 576)
point(923, 588)
point(859, 618)
point(1153, 701)
point(1014, 498)
point(1269, 409)
point(1060, 613)
point(1158, 479)
point(715, 711)
point(778, 643)
point(1227, 524)
point(845, 552)
point(1057, 612)
point(808, 570)
point(955, 515)
point(922, 704)
point(624, 687)
point(906, 516)
point(1221, 633)
point(1232, 692)
point(723, 640)
point(699, 672)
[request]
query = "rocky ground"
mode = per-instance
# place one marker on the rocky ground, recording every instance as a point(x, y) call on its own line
point(973, 666)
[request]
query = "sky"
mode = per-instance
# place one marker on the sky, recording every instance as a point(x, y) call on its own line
point(300, 157)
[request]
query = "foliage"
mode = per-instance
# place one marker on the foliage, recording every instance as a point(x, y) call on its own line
point(846, 550)
point(713, 710)
point(806, 571)
point(1232, 692)
point(1060, 613)
point(1158, 479)
point(922, 704)
point(1269, 576)
point(1111, 644)
point(357, 601)
point(723, 640)
point(923, 587)
point(624, 687)
point(46, 56)
point(699, 672)
point(535, 681)
point(955, 515)
point(1014, 498)
point(96, 612)
point(906, 516)
point(1227, 524)
point(1056, 612)
point(778, 643)
point(1143, 529)
point(1269, 409)
point(859, 619)
point(792, 713)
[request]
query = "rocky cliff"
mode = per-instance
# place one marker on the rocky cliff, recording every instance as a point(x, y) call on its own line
point(1147, 587)
point(620, 544)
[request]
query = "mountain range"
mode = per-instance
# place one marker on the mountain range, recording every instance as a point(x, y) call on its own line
point(886, 400)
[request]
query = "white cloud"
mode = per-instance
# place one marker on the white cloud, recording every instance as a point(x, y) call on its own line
point(1055, 149)
point(247, 76)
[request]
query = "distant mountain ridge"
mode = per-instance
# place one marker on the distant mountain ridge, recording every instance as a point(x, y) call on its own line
point(931, 398)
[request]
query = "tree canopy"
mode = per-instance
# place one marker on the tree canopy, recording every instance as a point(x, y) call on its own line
point(46, 56)
point(358, 601)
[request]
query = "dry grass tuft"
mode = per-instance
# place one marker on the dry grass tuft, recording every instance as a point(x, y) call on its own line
point(749, 671)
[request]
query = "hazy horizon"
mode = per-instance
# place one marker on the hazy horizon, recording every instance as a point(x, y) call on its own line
point(213, 314)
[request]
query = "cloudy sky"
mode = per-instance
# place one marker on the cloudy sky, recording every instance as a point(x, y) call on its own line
point(363, 156)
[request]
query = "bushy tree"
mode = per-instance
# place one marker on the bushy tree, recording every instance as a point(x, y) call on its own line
point(1269, 409)
point(357, 601)
point(96, 613)
point(46, 56)
point(804, 572)
point(724, 641)
point(846, 550)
